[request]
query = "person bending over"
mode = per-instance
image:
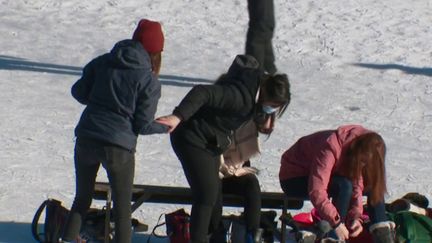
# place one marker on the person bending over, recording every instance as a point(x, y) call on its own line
point(342, 164)
point(202, 125)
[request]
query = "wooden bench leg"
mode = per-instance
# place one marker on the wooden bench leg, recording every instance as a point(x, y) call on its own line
point(283, 225)
point(107, 217)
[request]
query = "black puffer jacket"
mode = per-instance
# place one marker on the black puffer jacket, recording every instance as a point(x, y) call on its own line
point(210, 113)
point(121, 95)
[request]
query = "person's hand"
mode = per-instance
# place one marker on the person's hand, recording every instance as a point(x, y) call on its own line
point(356, 228)
point(171, 121)
point(342, 232)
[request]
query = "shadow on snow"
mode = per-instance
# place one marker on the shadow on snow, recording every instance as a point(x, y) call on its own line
point(406, 69)
point(21, 64)
point(18, 232)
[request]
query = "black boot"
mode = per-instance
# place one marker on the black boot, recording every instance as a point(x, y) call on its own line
point(383, 232)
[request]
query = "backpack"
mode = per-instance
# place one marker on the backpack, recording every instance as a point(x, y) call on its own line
point(92, 229)
point(412, 227)
point(55, 219)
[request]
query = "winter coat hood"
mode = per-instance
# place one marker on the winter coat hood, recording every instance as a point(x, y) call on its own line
point(130, 54)
point(244, 70)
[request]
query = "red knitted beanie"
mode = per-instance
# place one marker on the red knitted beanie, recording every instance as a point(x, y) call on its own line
point(149, 34)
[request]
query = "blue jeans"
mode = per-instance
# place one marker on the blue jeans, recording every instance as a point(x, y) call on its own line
point(340, 190)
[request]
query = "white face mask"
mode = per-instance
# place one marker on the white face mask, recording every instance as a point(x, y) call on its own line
point(269, 109)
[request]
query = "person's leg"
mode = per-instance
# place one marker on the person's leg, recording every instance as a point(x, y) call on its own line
point(295, 187)
point(86, 167)
point(381, 228)
point(340, 189)
point(260, 33)
point(120, 167)
point(269, 58)
point(248, 187)
point(376, 212)
point(298, 188)
point(216, 216)
point(201, 168)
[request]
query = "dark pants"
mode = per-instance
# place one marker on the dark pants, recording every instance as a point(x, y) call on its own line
point(340, 189)
point(260, 33)
point(119, 164)
point(248, 187)
point(201, 168)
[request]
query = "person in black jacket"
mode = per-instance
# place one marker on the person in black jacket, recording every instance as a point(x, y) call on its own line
point(260, 33)
point(120, 90)
point(202, 124)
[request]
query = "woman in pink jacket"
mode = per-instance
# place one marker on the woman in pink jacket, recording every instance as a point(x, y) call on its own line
point(342, 164)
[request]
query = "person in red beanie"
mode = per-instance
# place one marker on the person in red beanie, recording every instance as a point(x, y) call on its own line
point(149, 34)
point(120, 90)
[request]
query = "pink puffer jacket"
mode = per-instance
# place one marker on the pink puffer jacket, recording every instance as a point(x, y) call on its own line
point(319, 156)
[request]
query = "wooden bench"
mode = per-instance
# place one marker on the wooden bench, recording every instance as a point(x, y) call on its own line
point(182, 195)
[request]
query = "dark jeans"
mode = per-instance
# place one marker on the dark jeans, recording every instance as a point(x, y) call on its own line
point(340, 189)
point(201, 168)
point(260, 33)
point(248, 187)
point(119, 164)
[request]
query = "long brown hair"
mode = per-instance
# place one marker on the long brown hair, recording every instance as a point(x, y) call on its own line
point(365, 157)
point(156, 62)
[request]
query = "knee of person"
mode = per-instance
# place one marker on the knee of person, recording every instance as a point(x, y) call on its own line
point(206, 199)
point(345, 185)
point(252, 186)
point(82, 203)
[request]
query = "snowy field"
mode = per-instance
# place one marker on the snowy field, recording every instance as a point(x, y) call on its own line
point(352, 61)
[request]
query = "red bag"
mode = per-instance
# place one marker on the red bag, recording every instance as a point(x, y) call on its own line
point(177, 226)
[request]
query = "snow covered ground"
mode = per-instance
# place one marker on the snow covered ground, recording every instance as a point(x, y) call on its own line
point(351, 61)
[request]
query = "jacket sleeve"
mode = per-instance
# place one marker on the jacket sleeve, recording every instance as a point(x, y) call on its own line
point(146, 106)
point(82, 88)
point(224, 97)
point(319, 179)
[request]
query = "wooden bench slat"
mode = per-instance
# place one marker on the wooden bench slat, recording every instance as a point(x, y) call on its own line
point(183, 195)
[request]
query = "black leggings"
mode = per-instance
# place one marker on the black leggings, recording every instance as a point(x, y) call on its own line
point(201, 168)
point(120, 165)
point(248, 187)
